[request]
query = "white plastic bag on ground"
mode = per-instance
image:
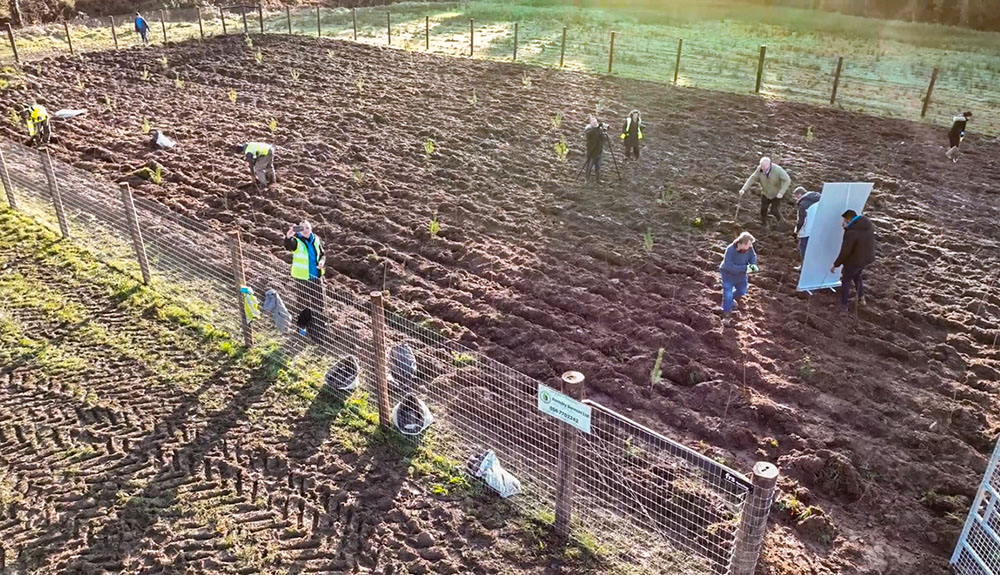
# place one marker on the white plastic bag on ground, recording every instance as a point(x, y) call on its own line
point(162, 140)
point(498, 478)
point(67, 114)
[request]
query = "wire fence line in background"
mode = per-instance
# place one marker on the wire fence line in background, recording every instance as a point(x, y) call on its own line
point(882, 86)
point(645, 498)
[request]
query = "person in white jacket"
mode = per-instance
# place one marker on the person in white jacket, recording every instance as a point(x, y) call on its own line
point(806, 203)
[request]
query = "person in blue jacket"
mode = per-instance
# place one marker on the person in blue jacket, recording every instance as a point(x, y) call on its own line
point(740, 259)
point(142, 27)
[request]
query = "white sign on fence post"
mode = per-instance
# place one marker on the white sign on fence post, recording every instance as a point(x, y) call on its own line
point(564, 408)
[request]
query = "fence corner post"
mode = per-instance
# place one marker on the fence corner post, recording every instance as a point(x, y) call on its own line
point(515, 42)
point(260, 16)
point(380, 363)
point(677, 64)
point(572, 385)
point(288, 18)
point(239, 275)
point(69, 38)
point(930, 90)
point(201, 25)
point(114, 32)
point(5, 179)
point(222, 17)
point(611, 52)
point(50, 174)
point(13, 44)
point(472, 36)
point(760, 67)
point(836, 80)
point(246, 28)
point(319, 24)
point(163, 24)
point(753, 524)
point(136, 233)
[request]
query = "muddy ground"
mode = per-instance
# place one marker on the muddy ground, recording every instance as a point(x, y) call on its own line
point(880, 421)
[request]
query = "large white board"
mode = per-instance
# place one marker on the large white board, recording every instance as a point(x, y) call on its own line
point(827, 234)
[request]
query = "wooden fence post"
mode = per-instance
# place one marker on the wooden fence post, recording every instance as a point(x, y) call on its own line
point(133, 228)
point(515, 41)
point(388, 26)
point(260, 16)
point(472, 36)
point(69, 39)
point(427, 33)
point(836, 79)
point(222, 16)
point(288, 19)
point(572, 385)
point(201, 25)
point(930, 89)
point(611, 53)
point(114, 32)
point(760, 67)
point(50, 174)
point(5, 179)
point(750, 533)
point(163, 24)
point(677, 64)
point(239, 275)
point(13, 45)
point(319, 24)
point(379, 363)
point(562, 52)
point(246, 29)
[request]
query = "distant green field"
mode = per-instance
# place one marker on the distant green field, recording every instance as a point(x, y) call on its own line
point(887, 64)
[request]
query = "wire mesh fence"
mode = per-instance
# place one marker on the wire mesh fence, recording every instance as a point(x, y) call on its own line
point(978, 548)
point(877, 83)
point(650, 500)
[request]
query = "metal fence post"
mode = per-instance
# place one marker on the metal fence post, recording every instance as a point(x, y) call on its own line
point(13, 45)
point(379, 364)
point(677, 64)
point(222, 16)
point(246, 29)
point(239, 275)
point(388, 26)
point(562, 51)
point(69, 39)
point(201, 26)
point(427, 33)
point(319, 25)
point(50, 174)
point(288, 19)
point(515, 41)
point(572, 385)
point(753, 524)
point(5, 179)
point(114, 32)
point(930, 89)
point(836, 79)
point(133, 228)
point(163, 24)
point(260, 16)
point(760, 67)
point(611, 53)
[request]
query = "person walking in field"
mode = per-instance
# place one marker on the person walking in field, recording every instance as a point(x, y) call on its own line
point(806, 203)
point(774, 182)
point(594, 133)
point(856, 253)
point(739, 261)
point(260, 157)
point(36, 119)
point(308, 266)
point(956, 134)
point(142, 27)
point(632, 133)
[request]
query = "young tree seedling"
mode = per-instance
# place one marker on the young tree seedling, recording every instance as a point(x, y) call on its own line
point(656, 375)
point(434, 227)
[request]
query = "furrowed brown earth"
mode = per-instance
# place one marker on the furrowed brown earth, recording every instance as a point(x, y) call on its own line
point(880, 421)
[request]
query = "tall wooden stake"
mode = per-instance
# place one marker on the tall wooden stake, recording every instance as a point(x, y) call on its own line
point(836, 79)
point(677, 64)
point(222, 16)
point(50, 174)
point(562, 51)
point(114, 32)
point(13, 44)
point(930, 89)
point(572, 385)
point(379, 363)
point(611, 53)
point(239, 275)
point(515, 41)
point(201, 25)
point(163, 24)
point(133, 228)
point(69, 39)
point(760, 68)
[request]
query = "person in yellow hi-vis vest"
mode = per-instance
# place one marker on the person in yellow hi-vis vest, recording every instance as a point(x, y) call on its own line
point(36, 119)
point(308, 263)
point(260, 157)
point(632, 133)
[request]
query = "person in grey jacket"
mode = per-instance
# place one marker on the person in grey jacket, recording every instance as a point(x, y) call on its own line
point(774, 182)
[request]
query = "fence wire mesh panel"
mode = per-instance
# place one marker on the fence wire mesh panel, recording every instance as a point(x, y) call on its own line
point(978, 548)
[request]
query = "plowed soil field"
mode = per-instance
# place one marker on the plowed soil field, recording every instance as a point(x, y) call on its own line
point(880, 420)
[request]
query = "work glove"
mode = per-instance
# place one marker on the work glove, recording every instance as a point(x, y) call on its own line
point(752, 268)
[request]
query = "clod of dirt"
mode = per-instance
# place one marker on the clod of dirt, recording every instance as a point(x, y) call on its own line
point(817, 527)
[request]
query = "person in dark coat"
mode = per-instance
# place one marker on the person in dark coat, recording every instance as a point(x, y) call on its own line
point(632, 133)
point(595, 134)
point(856, 252)
point(956, 134)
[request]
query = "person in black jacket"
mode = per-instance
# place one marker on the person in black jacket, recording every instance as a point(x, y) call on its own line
point(856, 252)
point(595, 134)
point(956, 134)
point(632, 133)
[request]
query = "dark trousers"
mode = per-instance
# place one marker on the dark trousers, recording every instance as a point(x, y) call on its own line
point(310, 294)
point(595, 165)
point(631, 148)
point(847, 276)
point(774, 206)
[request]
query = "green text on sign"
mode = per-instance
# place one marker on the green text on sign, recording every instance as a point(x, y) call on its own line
point(564, 408)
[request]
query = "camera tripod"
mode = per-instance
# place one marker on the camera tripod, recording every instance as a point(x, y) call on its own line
point(605, 139)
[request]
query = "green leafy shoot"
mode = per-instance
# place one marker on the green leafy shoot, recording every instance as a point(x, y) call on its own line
point(462, 359)
point(163, 62)
point(145, 126)
point(562, 149)
point(429, 147)
point(145, 74)
point(232, 95)
point(295, 75)
point(810, 136)
point(656, 375)
point(273, 125)
point(526, 79)
point(79, 84)
point(360, 83)
point(557, 120)
point(666, 194)
point(358, 176)
point(434, 227)
point(473, 100)
point(178, 82)
point(248, 41)
point(259, 56)
point(13, 117)
point(647, 241)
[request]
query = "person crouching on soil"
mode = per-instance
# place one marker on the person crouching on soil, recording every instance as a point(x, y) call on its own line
point(260, 158)
point(856, 252)
point(774, 182)
point(740, 259)
point(956, 135)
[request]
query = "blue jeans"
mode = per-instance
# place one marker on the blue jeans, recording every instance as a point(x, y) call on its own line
point(739, 287)
point(803, 242)
point(848, 275)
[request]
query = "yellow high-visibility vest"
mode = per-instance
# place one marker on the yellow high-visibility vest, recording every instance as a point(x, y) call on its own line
point(300, 258)
point(628, 126)
point(256, 149)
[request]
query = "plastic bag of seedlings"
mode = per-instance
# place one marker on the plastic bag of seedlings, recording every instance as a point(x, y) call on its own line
point(161, 140)
point(402, 370)
point(411, 416)
point(487, 467)
point(343, 376)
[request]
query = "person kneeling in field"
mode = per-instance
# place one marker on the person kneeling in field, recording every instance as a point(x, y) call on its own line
point(956, 135)
point(260, 157)
point(740, 259)
point(36, 119)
